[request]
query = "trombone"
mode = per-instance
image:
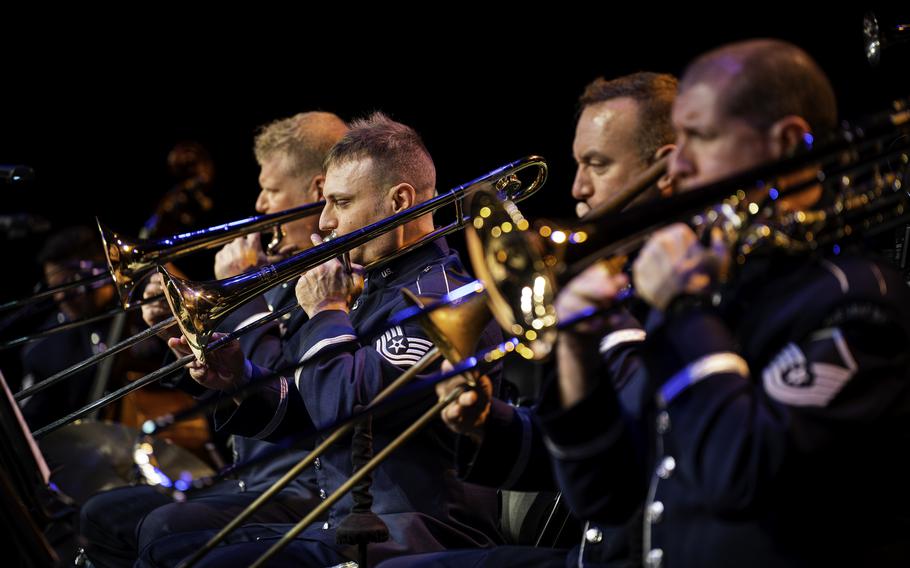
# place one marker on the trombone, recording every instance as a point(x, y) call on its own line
point(202, 306)
point(130, 260)
point(454, 329)
point(867, 165)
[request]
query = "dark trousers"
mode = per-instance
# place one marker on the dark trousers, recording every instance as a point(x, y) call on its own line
point(242, 548)
point(117, 525)
point(499, 557)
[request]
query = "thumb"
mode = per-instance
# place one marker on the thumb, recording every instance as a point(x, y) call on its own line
point(254, 240)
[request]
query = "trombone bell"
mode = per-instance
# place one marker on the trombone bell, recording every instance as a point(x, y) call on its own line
point(127, 261)
point(454, 328)
point(518, 277)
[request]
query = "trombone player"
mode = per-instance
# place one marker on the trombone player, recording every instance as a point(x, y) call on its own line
point(623, 128)
point(771, 416)
point(346, 355)
point(117, 524)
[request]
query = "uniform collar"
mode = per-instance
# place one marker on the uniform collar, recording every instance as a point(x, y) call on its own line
point(417, 259)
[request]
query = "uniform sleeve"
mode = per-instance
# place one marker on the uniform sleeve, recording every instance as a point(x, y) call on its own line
point(733, 429)
point(339, 371)
point(598, 446)
point(511, 455)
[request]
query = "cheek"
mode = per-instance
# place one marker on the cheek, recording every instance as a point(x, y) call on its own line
point(282, 201)
point(607, 185)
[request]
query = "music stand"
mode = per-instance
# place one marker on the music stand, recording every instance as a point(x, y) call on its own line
point(25, 498)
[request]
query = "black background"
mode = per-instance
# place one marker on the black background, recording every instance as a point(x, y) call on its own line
point(94, 109)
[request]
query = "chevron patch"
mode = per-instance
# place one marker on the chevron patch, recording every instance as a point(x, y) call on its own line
point(401, 350)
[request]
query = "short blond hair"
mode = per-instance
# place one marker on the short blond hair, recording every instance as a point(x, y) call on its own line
point(303, 140)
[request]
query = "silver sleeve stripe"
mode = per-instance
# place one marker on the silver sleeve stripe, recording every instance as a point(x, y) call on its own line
point(279, 413)
point(621, 336)
point(251, 319)
point(524, 451)
point(319, 346)
point(839, 274)
point(700, 369)
point(880, 278)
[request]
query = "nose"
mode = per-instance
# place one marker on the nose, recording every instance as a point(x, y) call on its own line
point(262, 203)
point(680, 164)
point(581, 187)
point(327, 220)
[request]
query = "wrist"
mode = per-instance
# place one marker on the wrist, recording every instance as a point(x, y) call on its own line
point(328, 305)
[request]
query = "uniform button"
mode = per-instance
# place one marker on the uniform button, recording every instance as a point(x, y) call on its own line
point(594, 535)
point(663, 422)
point(95, 338)
point(666, 467)
point(356, 304)
point(317, 464)
point(242, 485)
point(325, 526)
point(271, 307)
point(655, 512)
point(655, 558)
point(322, 494)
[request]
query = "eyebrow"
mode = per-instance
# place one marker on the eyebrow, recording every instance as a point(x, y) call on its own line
point(340, 194)
point(594, 154)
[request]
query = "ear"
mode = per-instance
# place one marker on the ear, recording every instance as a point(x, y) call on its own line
point(314, 189)
point(787, 135)
point(665, 183)
point(402, 197)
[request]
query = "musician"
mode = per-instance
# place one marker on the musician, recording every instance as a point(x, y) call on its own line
point(623, 127)
point(348, 355)
point(776, 402)
point(119, 523)
point(68, 255)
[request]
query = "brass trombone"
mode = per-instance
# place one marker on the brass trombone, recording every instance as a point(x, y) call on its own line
point(522, 267)
point(454, 329)
point(130, 260)
point(200, 306)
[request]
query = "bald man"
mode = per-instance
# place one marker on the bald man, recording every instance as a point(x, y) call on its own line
point(772, 415)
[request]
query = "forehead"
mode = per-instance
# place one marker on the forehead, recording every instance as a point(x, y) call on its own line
point(274, 166)
point(350, 176)
point(698, 103)
point(613, 116)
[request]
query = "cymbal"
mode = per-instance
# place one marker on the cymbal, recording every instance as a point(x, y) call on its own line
point(88, 457)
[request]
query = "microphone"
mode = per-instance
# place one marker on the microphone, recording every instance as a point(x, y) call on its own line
point(16, 174)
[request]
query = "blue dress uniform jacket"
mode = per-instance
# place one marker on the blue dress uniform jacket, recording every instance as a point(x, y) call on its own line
point(775, 422)
point(271, 346)
point(117, 525)
point(514, 455)
point(346, 360)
